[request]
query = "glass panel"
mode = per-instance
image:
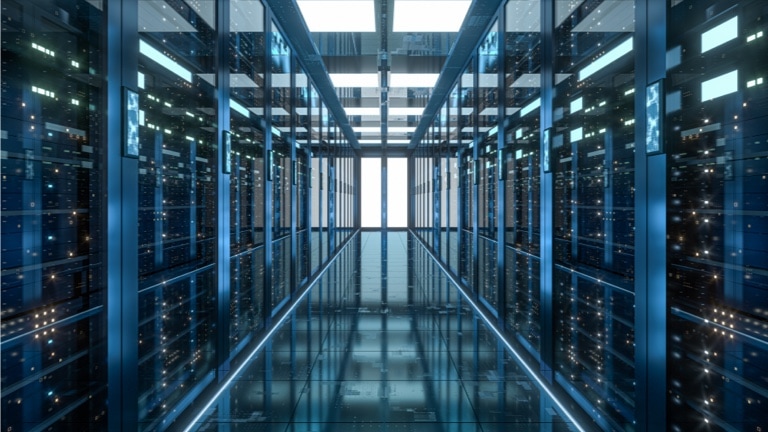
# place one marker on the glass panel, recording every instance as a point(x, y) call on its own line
point(521, 157)
point(593, 167)
point(247, 187)
point(246, 55)
point(488, 109)
point(453, 212)
point(302, 115)
point(281, 271)
point(177, 202)
point(454, 375)
point(54, 357)
point(247, 41)
point(467, 117)
point(325, 180)
point(282, 177)
point(524, 301)
point(280, 68)
point(717, 218)
point(247, 70)
point(487, 175)
point(467, 172)
point(247, 229)
point(489, 66)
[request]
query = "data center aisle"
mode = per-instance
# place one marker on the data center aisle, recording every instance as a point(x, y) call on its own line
point(383, 343)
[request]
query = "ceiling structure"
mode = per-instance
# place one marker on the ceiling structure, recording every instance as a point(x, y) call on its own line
point(385, 78)
point(385, 72)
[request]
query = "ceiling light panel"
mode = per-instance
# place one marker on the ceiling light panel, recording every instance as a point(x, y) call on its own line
point(406, 111)
point(362, 111)
point(355, 80)
point(338, 15)
point(413, 80)
point(444, 15)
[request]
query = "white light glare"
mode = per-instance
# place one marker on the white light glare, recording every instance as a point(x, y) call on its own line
point(406, 111)
point(377, 129)
point(577, 134)
point(576, 105)
point(355, 80)
point(362, 111)
point(164, 61)
point(429, 15)
point(338, 15)
point(720, 34)
point(608, 58)
point(239, 108)
point(424, 80)
point(530, 107)
point(720, 86)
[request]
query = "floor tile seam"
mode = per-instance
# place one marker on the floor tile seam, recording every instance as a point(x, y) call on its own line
point(435, 322)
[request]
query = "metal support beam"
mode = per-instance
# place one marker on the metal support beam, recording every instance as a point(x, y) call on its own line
point(122, 205)
point(650, 229)
point(547, 193)
point(479, 16)
point(289, 18)
point(223, 248)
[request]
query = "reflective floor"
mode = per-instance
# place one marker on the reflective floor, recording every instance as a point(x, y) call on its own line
point(383, 343)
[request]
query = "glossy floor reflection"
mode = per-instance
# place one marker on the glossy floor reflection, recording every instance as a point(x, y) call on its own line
point(383, 343)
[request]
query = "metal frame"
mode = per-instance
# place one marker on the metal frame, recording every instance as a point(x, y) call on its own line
point(122, 201)
point(650, 237)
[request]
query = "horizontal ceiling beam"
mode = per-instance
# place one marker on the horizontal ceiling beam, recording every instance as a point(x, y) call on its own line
point(478, 19)
point(289, 18)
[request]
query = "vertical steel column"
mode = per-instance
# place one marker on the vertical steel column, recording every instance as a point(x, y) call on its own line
point(358, 178)
point(461, 201)
point(122, 203)
point(223, 248)
point(650, 229)
point(547, 192)
point(268, 170)
point(436, 200)
point(501, 192)
point(294, 181)
point(411, 185)
point(475, 185)
point(384, 198)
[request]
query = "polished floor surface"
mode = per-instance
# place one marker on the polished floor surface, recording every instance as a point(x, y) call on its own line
point(383, 342)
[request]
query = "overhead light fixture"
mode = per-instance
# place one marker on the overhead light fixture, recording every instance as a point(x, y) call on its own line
point(377, 129)
point(338, 15)
point(406, 111)
point(429, 15)
point(378, 141)
point(362, 111)
point(413, 80)
point(355, 80)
